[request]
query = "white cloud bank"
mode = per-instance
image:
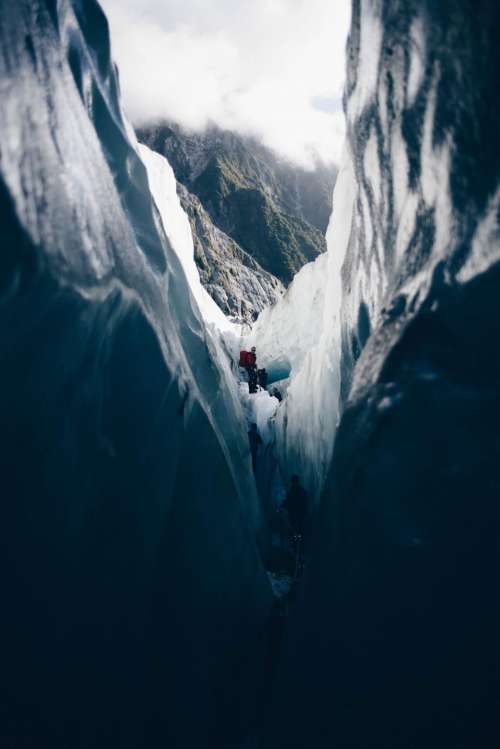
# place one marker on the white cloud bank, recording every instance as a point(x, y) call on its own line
point(271, 68)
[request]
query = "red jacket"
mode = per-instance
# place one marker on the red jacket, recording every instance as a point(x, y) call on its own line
point(248, 359)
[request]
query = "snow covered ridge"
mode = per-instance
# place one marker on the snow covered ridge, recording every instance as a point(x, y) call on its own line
point(127, 501)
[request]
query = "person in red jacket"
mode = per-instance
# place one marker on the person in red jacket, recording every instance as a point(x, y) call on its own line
point(248, 360)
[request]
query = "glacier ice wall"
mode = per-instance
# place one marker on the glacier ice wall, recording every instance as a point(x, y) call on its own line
point(133, 595)
point(395, 644)
point(299, 339)
point(399, 194)
point(163, 187)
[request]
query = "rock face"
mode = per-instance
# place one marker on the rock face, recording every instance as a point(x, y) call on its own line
point(133, 595)
point(275, 211)
point(231, 276)
point(396, 644)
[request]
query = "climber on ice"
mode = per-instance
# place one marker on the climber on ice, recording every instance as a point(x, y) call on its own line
point(255, 441)
point(276, 394)
point(248, 360)
point(263, 377)
point(296, 506)
point(252, 380)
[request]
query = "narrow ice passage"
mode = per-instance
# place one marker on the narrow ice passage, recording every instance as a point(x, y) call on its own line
point(282, 559)
point(140, 542)
point(283, 555)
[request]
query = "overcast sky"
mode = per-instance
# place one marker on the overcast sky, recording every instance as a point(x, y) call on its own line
point(273, 68)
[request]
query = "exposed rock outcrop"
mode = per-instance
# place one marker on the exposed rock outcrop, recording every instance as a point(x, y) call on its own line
point(275, 211)
point(232, 277)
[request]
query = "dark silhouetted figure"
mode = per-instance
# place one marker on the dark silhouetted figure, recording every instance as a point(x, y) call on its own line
point(296, 506)
point(252, 370)
point(252, 379)
point(255, 441)
point(263, 377)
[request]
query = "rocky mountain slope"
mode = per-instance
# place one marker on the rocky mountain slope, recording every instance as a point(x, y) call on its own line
point(275, 211)
point(241, 288)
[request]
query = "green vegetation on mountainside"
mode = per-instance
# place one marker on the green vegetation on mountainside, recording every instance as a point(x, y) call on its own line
point(276, 211)
point(239, 205)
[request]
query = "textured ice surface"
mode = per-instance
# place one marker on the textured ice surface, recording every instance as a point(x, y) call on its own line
point(260, 409)
point(396, 642)
point(299, 338)
point(133, 593)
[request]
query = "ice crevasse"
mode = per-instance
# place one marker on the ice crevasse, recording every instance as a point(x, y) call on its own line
point(298, 341)
point(393, 223)
point(225, 336)
point(128, 500)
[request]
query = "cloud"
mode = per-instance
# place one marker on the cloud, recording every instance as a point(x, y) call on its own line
point(271, 68)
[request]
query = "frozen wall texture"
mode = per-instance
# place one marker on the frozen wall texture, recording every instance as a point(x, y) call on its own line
point(396, 640)
point(133, 596)
point(299, 340)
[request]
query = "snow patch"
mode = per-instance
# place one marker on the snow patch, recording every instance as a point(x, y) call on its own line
point(260, 408)
point(178, 230)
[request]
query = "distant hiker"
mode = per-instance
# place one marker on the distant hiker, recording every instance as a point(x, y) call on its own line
point(296, 506)
point(255, 441)
point(276, 394)
point(263, 377)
